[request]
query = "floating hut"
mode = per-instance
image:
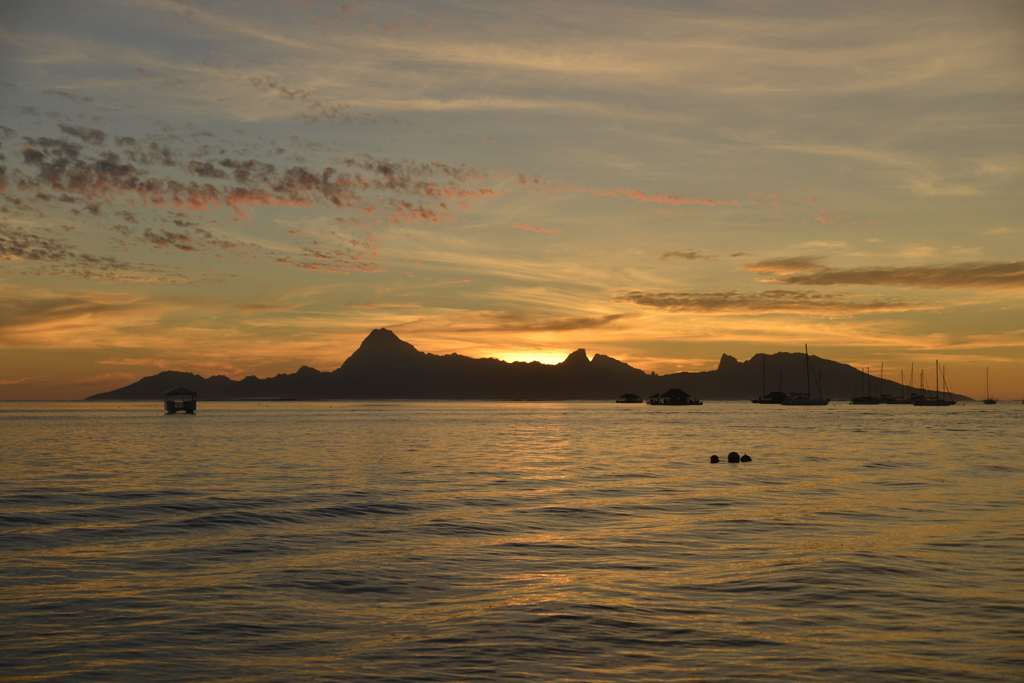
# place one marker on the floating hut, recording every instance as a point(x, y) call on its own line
point(629, 398)
point(180, 399)
point(674, 397)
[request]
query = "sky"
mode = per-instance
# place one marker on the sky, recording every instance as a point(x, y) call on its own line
point(246, 187)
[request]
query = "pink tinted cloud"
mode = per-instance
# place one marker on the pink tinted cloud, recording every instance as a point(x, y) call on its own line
point(150, 175)
point(826, 218)
point(539, 185)
point(240, 197)
point(659, 198)
point(525, 226)
point(63, 167)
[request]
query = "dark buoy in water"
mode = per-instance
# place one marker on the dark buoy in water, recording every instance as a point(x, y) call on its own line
point(734, 457)
point(714, 458)
point(746, 458)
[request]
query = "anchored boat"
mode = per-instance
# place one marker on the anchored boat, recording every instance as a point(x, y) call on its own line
point(805, 399)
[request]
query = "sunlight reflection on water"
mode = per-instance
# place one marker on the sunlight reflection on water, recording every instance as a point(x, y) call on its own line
point(526, 541)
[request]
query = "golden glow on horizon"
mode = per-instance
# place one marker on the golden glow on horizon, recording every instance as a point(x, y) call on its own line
point(545, 357)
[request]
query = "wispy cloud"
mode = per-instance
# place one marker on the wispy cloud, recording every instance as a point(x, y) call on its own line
point(537, 185)
point(660, 198)
point(266, 307)
point(314, 107)
point(507, 322)
point(974, 275)
point(773, 301)
point(920, 175)
point(47, 319)
point(785, 265)
point(686, 256)
point(525, 226)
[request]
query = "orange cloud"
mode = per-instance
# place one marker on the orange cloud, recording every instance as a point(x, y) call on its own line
point(826, 218)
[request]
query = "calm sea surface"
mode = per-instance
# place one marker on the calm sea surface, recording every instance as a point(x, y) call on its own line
point(443, 541)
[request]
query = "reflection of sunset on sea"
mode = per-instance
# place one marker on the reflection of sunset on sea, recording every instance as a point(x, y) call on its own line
point(246, 189)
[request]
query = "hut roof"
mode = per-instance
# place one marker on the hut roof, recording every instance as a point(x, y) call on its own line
point(675, 393)
point(180, 390)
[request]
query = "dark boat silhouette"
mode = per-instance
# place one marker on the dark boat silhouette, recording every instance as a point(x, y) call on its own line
point(674, 397)
point(805, 399)
point(941, 397)
point(775, 397)
point(988, 397)
point(864, 385)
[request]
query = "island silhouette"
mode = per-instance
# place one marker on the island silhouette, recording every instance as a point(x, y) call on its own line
point(386, 367)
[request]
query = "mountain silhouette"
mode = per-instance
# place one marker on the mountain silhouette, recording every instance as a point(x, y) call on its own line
point(386, 367)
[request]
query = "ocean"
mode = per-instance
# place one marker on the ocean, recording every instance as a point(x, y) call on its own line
point(511, 541)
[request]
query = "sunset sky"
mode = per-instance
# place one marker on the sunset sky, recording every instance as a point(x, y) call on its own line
point(243, 188)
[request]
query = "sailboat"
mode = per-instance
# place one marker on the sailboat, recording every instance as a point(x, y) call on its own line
point(988, 397)
point(866, 399)
point(805, 399)
point(766, 398)
point(937, 399)
point(902, 398)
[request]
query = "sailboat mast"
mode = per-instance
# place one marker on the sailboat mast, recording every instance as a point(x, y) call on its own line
point(807, 366)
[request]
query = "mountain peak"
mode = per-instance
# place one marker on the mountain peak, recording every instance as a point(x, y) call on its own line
point(381, 336)
point(727, 362)
point(576, 358)
point(381, 345)
point(385, 339)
